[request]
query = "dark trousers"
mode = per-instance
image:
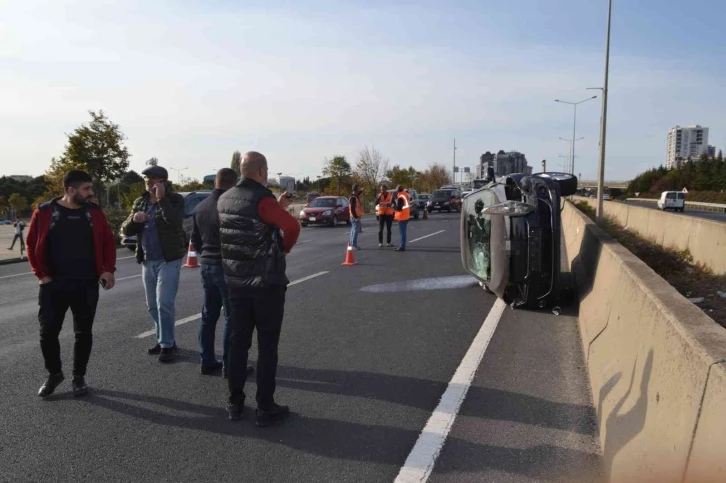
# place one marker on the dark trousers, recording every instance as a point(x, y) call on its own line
point(216, 296)
point(260, 309)
point(387, 221)
point(55, 298)
point(22, 242)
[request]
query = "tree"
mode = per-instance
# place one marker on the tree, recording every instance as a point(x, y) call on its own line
point(97, 148)
point(236, 163)
point(434, 178)
point(370, 168)
point(339, 170)
point(189, 184)
point(152, 162)
point(3, 205)
point(131, 177)
point(18, 203)
point(405, 177)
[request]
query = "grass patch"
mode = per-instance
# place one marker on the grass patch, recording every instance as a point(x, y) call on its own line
point(676, 267)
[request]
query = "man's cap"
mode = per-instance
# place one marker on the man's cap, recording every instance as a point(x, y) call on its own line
point(156, 171)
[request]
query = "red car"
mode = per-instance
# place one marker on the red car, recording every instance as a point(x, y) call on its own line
point(326, 210)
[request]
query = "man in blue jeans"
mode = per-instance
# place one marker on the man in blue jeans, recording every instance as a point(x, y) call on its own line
point(205, 239)
point(356, 212)
point(402, 215)
point(156, 219)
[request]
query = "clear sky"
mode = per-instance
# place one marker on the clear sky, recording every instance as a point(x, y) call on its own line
point(189, 82)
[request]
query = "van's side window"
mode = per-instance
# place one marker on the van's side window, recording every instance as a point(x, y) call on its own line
point(671, 196)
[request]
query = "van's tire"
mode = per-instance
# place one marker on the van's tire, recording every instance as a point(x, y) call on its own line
point(566, 181)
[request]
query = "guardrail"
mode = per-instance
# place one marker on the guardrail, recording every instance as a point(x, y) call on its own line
point(657, 364)
point(696, 205)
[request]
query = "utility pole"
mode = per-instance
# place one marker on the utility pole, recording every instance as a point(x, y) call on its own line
point(604, 121)
point(454, 171)
point(544, 165)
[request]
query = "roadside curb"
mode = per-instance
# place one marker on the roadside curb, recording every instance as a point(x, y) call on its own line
point(12, 260)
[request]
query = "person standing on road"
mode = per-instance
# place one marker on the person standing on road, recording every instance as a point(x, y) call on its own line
point(156, 219)
point(256, 235)
point(19, 227)
point(205, 239)
point(71, 248)
point(385, 215)
point(356, 213)
point(403, 213)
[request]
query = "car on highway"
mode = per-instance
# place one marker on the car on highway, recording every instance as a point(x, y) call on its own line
point(510, 237)
point(422, 199)
point(326, 210)
point(191, 200)
point(672, 200)
point(445, 199)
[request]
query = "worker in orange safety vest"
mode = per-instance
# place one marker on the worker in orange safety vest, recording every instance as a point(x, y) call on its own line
point(385, 214)
point(403, 214)
point(356, 212)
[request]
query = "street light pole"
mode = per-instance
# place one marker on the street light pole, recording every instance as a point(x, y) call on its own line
point(178, 173)
point(604, 121)
point(454, 172)
point(574, 127)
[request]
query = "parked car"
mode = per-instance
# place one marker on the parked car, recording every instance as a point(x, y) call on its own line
point(422, 200)
point(672, 200)
point(191, 200)
point(445, 199)
point(5, 222)
point(326, 210)
point(414, 205)
point(510, 236)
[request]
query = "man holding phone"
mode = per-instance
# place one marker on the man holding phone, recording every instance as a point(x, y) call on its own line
point(157, 221)
point(71, 249)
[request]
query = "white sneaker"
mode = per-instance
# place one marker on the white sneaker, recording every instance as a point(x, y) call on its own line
point(380, 245)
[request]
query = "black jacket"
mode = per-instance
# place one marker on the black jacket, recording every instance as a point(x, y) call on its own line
point(205, 229)
point(169, 224)
point(253, 255)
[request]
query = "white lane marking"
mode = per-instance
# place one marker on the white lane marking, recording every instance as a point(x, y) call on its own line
point(30, 273)
point(194, 317)
point(16, 275)
point(426, 236)
point(420, 462)
point(126, 278)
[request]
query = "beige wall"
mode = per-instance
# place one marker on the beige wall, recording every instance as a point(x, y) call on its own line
point(705, 239)
point(654, 364)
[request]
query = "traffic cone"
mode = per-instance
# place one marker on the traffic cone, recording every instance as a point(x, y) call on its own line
point(349, 259)
point(191, 258)
point(426, 214)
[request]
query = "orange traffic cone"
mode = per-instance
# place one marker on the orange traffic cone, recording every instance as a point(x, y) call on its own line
point(426, 214)
point(349, 259)
point(191, 258)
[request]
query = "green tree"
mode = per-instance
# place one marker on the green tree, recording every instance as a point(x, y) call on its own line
point(405, 177)
point(18, 203)
point(236, 163)
point(370, 168)
point(152, 162)
point(131, 177)
point(339, 171)
point(434, 178)
point(3, 205)
point(97, 148)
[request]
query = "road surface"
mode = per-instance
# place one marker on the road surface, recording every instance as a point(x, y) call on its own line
point(367, 352)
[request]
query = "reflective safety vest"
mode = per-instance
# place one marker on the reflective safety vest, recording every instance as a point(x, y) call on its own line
point(358, 208)
point(404, 213)
point(386, 210)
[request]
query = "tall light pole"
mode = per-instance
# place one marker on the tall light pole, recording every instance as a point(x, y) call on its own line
point(454, 171)
point(603, 121)
point(574, 126)
point(178, 173)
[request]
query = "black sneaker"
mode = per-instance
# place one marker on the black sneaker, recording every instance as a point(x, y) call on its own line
point(400, 249)
point(167, 355)
point(235, 410)
point(274, 413)
point(212, 368)
point(49, 387)
point(389, 245)
point(79, 386)
point(156, 349)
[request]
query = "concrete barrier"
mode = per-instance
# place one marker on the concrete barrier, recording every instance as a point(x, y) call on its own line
point(704, 239)
point(656, 364)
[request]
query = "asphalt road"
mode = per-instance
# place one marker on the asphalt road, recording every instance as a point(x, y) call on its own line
point(688, 212)
point(366, 354)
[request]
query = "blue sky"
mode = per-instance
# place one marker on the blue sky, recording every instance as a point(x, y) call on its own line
point(190, 82)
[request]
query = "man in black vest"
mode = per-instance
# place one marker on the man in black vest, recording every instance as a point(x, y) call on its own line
point(252, 223)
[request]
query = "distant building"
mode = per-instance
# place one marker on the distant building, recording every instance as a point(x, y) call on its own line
point(503, 163)
point(712, 152)
point(21, 177)
point(686, 143)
